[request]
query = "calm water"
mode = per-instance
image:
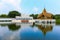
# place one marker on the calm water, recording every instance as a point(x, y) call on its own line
point(29, 32)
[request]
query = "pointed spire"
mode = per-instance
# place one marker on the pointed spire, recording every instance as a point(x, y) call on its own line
point(44, 11)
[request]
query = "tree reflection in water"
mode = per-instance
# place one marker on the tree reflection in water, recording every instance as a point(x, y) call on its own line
point(45, 28)
point(3, 25)
point(13, 27)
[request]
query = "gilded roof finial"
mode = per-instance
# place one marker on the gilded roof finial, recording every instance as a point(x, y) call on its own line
point(44, 10)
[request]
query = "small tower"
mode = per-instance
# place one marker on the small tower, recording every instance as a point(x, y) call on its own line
point(44, 11)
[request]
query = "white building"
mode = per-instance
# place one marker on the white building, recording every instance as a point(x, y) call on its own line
point(23, 19)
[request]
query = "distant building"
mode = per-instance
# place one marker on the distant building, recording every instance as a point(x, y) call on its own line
point(23, 19)
point(45, 15)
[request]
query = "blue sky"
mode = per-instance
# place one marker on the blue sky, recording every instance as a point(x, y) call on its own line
point(30, 6)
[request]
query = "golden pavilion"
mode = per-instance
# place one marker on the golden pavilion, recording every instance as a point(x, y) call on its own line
point(45, 15)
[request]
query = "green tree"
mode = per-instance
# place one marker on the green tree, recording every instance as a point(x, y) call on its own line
point(12, 14)
point(57, 16)
point(34, 16)
point(3, 16)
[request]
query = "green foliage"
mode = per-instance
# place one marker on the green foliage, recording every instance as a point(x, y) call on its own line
point(12, 14)
point(34, 16)
point(57, 21)
point(3, 16)
point(57, 16)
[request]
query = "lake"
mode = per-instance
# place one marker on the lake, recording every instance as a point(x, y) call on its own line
point(29, 32)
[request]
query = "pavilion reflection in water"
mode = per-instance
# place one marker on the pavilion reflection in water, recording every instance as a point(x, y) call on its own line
point(45, 28)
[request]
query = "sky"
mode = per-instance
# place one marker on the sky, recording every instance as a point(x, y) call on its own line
point(30, 6)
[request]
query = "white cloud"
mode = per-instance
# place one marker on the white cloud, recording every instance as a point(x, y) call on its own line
point(35, 9)
point(13, 4)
